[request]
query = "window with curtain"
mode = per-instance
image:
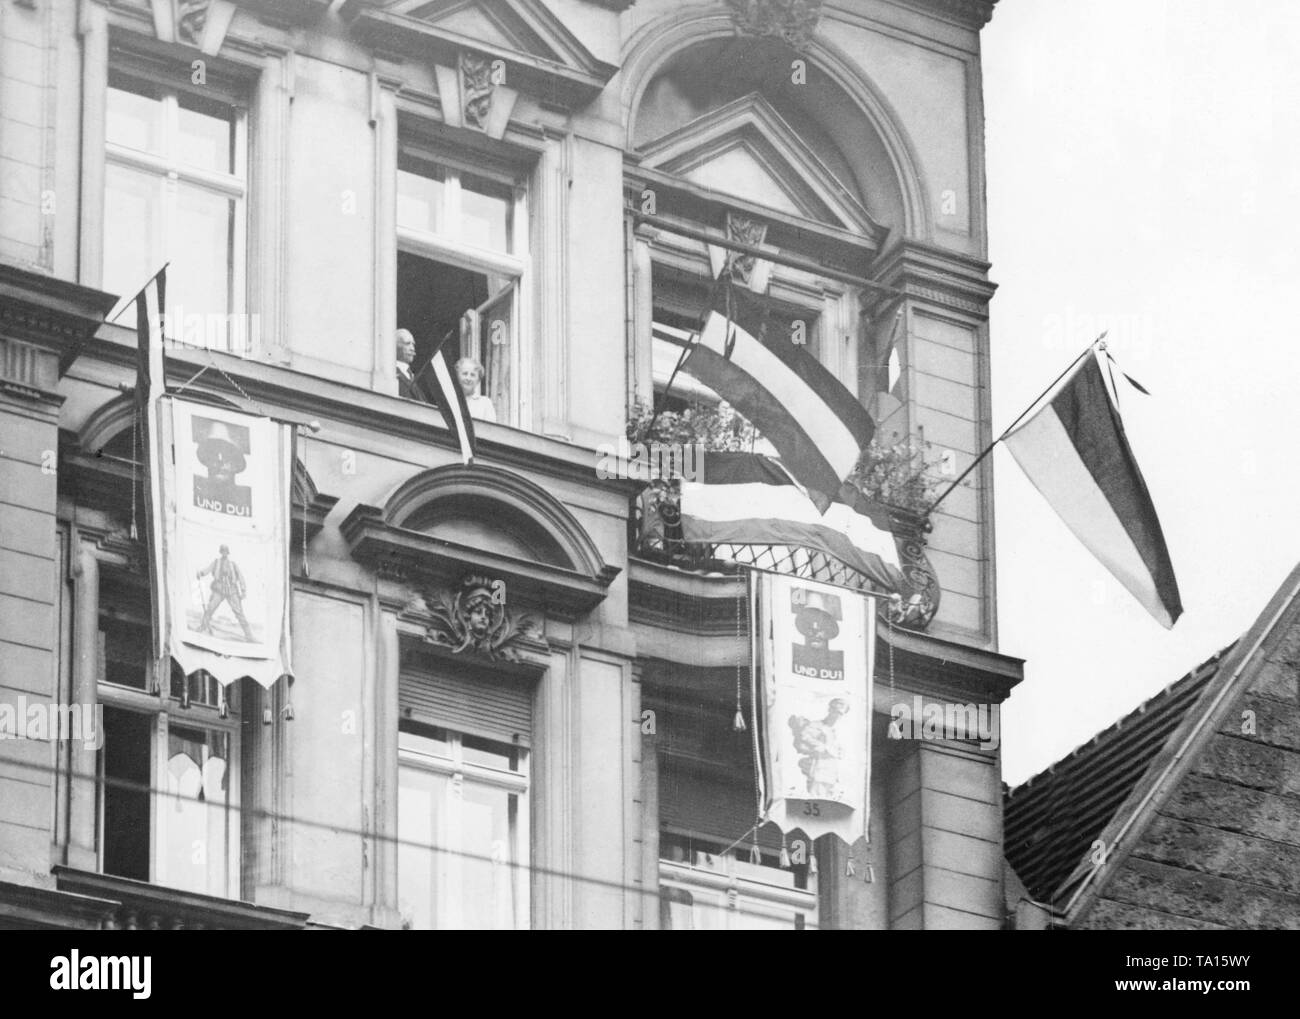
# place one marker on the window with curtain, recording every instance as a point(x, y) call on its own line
point(168, 804)
point(463, 855)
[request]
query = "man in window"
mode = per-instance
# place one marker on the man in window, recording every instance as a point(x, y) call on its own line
point(406, 385)
point(469, 372)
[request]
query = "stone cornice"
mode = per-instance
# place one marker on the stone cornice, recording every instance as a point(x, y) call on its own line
point(286, 12)
point(299, 396)
point(935, 274)
point(49, 312)
point(397, 551)
point(143, 905)
point(571, 77)
point(968, 13)
point(668, 599)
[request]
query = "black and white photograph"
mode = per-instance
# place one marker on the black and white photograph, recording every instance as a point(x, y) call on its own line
point(584, 465)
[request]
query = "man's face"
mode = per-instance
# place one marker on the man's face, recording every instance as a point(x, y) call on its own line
point(222, 467)
point(468, 376)
point(818, 629)
point(405, 348)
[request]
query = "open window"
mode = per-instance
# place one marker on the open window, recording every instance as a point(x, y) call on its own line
point(461, 268)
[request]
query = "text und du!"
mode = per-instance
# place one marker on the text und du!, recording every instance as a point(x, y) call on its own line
point(810, 672)
point(233, 509)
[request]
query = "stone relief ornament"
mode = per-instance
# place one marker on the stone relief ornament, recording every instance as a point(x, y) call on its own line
point(746, 230)
point(474, 618)
point(914, 607)
point(791, 20)
point(191, 17)
point(476, 87)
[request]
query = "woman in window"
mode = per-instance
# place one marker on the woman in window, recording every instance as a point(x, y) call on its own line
point(469, 372)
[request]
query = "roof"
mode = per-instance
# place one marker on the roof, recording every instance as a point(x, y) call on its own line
point(1052, 820)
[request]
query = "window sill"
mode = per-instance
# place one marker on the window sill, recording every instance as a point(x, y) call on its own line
point(143, 906)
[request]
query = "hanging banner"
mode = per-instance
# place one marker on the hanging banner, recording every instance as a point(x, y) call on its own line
point(814, 656)
point(223, 528)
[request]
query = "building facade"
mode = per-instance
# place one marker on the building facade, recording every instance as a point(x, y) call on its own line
point(545, 186)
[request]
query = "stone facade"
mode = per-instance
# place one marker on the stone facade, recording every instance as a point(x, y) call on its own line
point(562, 141)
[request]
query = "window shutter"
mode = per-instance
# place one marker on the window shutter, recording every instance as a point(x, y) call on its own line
point(711, 807)
point(484, 705)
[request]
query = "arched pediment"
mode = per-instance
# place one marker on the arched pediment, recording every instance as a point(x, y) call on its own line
point(453, 520)
point(687, 64)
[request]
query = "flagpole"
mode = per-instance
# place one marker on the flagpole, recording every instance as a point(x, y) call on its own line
point(1011, 427)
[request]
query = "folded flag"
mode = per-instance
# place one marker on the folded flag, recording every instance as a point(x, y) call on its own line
point(436, 380)
point(747, 499)
point(816, 425)
point(1074, 451)
point(150, 312)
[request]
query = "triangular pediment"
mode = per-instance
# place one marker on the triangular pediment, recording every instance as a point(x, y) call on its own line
point(748, 150)
point(539, 51)
point(494, 22)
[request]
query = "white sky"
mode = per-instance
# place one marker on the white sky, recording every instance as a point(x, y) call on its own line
point(1144, 174)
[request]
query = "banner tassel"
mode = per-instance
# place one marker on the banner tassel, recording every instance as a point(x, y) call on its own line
point(785, 854)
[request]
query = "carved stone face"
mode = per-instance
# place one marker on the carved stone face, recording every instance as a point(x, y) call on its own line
point(478, 617)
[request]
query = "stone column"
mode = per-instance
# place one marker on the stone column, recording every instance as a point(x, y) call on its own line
point(93, 28)
point(85, 681)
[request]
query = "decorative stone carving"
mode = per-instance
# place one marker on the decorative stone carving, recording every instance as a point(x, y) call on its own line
point(476, 87)
point(474, 618)
point(739, 265)
point(791, 20)
point(914, 607)
point(191, 18)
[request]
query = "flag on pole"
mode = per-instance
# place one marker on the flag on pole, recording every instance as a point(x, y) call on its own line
point(437, 380)
point(150, 307)
point(747, 499)
point(1076, 454)
point(150, 384)
point(816, 425)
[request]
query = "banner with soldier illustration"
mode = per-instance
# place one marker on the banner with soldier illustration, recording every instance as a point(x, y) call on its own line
point(224, 534)
point(814, 655)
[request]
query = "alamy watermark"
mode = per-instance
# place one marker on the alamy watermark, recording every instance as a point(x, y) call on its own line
point(980, 723)
point(236, 333)
point(649, 461)
point(45, 720)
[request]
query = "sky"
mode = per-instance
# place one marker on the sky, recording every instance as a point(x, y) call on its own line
point(1143, 163)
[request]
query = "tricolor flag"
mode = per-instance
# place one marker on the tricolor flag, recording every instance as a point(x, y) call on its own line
point(1075, 453)
point(746, 499)
point(816, 425)
point(150, 312)
point(451, 401)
